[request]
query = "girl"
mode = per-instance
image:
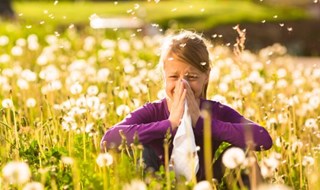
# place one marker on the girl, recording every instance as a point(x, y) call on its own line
point(186, 67)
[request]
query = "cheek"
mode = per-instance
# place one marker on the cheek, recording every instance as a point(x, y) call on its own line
point(169, 85)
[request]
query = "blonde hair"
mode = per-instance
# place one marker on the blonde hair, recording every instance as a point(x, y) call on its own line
point(188, 47)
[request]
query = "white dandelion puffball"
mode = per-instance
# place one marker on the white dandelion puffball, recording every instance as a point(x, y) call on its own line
point(7, 103)
point(203, 185)
point(16, 172)
point(104, 159)
point(31, 102)
point(273, 187)
point(233, 157)
point(33, 186)
point(135, 185)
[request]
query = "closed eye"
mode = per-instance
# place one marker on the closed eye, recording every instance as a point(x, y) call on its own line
point(192, 77)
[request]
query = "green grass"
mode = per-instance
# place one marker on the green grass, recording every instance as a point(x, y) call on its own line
point(183, 14)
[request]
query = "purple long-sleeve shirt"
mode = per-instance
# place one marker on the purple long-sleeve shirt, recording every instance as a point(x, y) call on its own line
point(151, 123)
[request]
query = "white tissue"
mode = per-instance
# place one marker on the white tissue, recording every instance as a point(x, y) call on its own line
point(184, 155)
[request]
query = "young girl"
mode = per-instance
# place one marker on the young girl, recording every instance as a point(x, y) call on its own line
point(186, 67)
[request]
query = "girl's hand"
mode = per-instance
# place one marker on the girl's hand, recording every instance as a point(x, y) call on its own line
point(193, 104)
point(177, 105)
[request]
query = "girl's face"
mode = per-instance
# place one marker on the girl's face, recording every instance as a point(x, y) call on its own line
point(175, 70)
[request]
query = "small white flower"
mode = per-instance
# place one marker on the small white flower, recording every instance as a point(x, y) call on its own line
point(104, 159)
point(203, 185)
point(33, 186)
point(16, 172)
point(233, 157)
point(135, 185)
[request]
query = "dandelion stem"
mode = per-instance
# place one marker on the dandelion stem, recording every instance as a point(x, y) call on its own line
point(207, 144)
point(84, 146)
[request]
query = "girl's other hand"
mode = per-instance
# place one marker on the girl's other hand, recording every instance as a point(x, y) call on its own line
point(177, 104)
point(193, 104)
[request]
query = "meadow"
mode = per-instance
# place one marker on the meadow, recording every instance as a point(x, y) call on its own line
point(61, 90)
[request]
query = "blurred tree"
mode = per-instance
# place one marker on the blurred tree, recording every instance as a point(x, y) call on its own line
point(6, 10)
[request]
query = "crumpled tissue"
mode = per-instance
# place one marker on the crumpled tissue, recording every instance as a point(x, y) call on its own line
point(184, 157)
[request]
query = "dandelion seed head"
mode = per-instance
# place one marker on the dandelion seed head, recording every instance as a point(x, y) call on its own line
point(31, 102)
point(16, 51)
point(4, 40)
point(233, 157)
point(16, 172)
point(311, 123)
point(67, 160)
point(76, 88)
point(104, 159)
point(33, 186)
point(135, 185)
point(7, 103)
point(92, 90)
point(203, 185)
point(307, 161)
point(122, 110)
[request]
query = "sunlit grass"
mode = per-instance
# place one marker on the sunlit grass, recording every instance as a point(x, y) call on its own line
point(187, 14)
point(62, 88)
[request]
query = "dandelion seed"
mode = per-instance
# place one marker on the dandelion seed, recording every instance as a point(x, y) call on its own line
point(115, 3)
point(174, 9)
point(16, 172)
point(104, 159)
point(233, 157)
point(135, 185)
point(263, 21)
point(7, 103)
point(33, 186)
point(281, 24)
point(203, 185)
point(203, 63)
point(182, 45)
point(275, 16)
point(55, 2)
point(136, 6)
point(28, 26)
point(289, 29)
